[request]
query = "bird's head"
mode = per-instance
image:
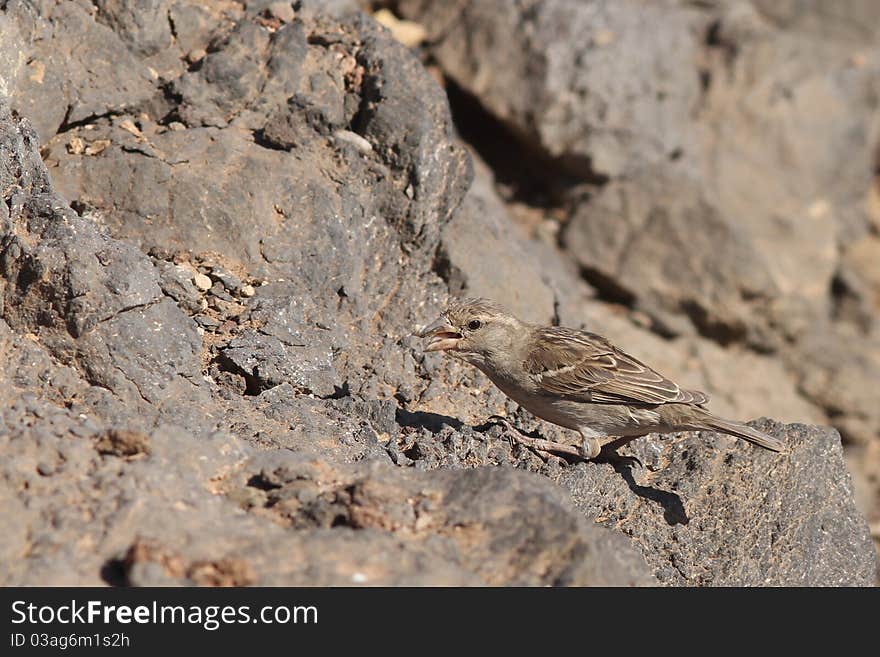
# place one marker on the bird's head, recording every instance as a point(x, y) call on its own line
point(476, 330)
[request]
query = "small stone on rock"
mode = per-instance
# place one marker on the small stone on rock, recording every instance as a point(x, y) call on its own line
point(349, 137)
point(195, 55)
point(76, 146)
point(207, 322)
point(229, 281)
point(202, 282)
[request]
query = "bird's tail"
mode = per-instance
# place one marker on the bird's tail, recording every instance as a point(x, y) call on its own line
point(744, 431)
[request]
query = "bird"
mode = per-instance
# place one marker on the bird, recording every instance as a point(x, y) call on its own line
point(575, 379)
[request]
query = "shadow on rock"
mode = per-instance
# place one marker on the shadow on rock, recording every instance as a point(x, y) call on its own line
point(433, 422)
point(673, 508)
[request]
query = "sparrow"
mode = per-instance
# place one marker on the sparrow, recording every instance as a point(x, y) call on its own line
point(575, 379)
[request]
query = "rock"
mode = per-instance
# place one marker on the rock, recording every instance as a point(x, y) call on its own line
point(349, 137)
point(838, 370)
point(202, 282)
point(809, 191)
point(481, 256)
point(602, 87)
point(860, 276)
point(123, 443)
point(75, 68)
point(155, 432)
point(732, 517)
point(637, 241)
point(178, 282)
point(283, 11)
point(227, 279)
point(267, 362)
point(497, 540)
point(701, 493)
point(145, 30)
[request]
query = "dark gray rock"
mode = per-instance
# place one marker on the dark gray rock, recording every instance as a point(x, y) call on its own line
point(143, 25)
point(707, 509)
point(482, 255)
point(176, 282)
point(155, 432)
point(731, 516)
point(61, 81)
point(267, 362)
point(637, 241)
point(604, 87)
point(497, 525)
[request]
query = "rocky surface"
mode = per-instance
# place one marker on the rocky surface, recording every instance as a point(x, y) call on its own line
point(214, 251)
point(725, 189)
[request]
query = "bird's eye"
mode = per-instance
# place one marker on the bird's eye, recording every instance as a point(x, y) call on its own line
point(474, 324)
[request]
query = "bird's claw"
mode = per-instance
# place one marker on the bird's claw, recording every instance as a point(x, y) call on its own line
point(629, 460)
point(509, 431)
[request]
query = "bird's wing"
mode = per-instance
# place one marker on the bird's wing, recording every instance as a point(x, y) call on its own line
point(587, 367)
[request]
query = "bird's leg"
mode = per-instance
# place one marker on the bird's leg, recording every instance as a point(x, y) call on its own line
point(590, 445)
point(544, 448)
point(512, 433)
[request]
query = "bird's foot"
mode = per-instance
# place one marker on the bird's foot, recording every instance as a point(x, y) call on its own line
point(613, 457)
point(546, 449)
point(511, 432)
point(611, 444)
point(592, 448)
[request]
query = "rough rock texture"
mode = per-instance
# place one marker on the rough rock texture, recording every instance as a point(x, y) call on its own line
point(211, 262)
point(725, 188)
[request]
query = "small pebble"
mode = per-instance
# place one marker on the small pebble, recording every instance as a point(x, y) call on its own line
point(97, 147)
point(202, 282)
point(76, 146)
point(129, 126)
point(230, 281)
point(206, 321)
point(220, 292)
point(604, 37)
point(176, 126)
point(195, 55)
point(248, 291)
point(353, 138)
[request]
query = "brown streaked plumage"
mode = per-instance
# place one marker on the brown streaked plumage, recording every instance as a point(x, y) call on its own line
point(576, 379)
point(586, 367)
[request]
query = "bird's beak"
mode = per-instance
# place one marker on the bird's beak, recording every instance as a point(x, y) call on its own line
point(442, 334)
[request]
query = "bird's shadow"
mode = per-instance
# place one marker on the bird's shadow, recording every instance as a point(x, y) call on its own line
point(673, 508)
point(433, 422)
